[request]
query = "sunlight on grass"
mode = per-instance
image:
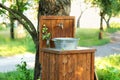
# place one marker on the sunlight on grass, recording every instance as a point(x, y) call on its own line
point(10, 47)
point(108, 68)
point(8, 51)
point(113, 27)
point(89, 37)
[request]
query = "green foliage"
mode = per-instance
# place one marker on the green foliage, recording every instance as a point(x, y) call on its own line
point(108, 68)
point(20, 5)
point(2, 12)
point(45, 34)
point(2, 27)
point(89, 37)
point(109, 7)
point(22, 73)
point(3, 1)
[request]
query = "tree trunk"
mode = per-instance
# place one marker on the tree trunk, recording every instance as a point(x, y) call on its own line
point(101, 21)
point(108, 25)
point(107, 21)
point(37, 64)
point(37, 69)
point(78, 21)
point(54, 7)
point(79, 18)
point(50, 7)
point(12, 28)
point(101, 28)
point(100, 35)
point(101, 25)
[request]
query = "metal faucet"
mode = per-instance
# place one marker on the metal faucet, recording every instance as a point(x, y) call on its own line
point(60, 25)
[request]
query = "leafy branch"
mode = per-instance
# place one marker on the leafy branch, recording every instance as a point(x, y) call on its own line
point(45, 34)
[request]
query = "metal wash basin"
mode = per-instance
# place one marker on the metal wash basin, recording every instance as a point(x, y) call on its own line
point(65, 43)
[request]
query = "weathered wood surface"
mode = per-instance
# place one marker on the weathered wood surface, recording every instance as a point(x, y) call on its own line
point(70, 66)
point(64, 65)
point(52, 23)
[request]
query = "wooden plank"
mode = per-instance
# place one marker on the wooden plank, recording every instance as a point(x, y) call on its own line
point(43, 76)
point(57, 67)
point(79, 67)
point(56, 17)
point(70, 68)
point(52, 67)
point(52, 23)
point(72, 29)
point(73, 66)
point(88, 66)
point(92, 66)
point(45, 67)
point(62, 67)
point(65, 52)
point(66, 28)
point(48, 66)
point(83, 64)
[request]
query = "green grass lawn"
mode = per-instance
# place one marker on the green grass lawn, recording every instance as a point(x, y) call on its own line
point(15, 75)
point(89, 37)
point(9, 47)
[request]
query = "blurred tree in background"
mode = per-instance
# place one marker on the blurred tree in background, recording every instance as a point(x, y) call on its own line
point(16, 9)
point(108, 9)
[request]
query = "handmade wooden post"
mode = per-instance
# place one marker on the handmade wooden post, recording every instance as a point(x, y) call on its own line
point(56, 64)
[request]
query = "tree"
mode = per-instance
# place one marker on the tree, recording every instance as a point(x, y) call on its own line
point(46, 7)
point(25, 22)
point(83, 6)
point(18, 5)
point(108, 8)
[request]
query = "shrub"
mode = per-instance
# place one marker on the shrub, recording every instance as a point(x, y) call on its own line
point(22, 73)
point(108, 68)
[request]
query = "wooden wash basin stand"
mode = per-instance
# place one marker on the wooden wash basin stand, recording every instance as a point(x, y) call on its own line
point(75, 64)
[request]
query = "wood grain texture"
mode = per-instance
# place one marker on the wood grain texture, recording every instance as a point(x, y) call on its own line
point(52, 23)
point(71, 66)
